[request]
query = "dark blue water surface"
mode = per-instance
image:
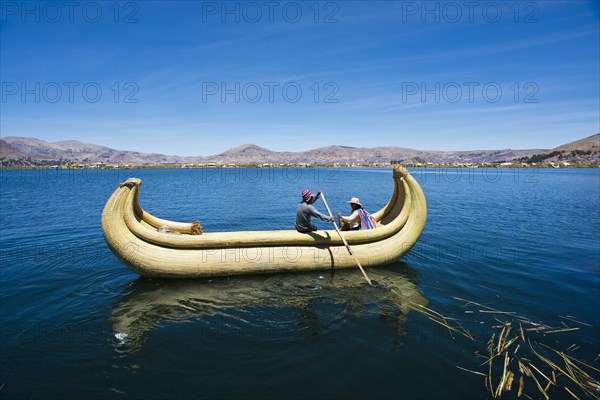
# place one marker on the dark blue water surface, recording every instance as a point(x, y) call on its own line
point(520, 240)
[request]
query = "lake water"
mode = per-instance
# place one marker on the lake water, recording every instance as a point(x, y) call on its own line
point(518, 240)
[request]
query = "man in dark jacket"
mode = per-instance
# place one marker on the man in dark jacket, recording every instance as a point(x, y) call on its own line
point(306, 211)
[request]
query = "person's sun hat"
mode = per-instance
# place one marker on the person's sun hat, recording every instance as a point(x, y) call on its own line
point(355, 200)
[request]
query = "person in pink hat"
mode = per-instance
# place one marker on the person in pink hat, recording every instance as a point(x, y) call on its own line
point(306, 211)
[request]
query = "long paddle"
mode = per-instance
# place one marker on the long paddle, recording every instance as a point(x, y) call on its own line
point(345, 243)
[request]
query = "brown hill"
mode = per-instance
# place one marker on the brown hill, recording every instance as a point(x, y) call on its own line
point(585, 151)
point(44, 153)
point(32, 151)
point(10, 155)
point(252, 154)
point(589, 143)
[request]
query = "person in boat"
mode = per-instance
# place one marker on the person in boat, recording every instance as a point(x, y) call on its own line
point(358, 219)
point(306, 210)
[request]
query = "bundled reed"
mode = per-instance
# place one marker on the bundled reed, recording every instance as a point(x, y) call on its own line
point(540, 370)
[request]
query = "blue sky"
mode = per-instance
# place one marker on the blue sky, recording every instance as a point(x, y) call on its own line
point(197, 78)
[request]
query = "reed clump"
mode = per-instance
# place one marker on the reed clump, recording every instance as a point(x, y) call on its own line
point(517, 362)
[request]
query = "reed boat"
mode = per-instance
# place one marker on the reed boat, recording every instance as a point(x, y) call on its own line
point(136, 239)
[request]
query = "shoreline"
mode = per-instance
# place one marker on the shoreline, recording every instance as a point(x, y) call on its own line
point(263, 166)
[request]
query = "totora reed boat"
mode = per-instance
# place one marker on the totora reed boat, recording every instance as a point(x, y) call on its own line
point(135, 238)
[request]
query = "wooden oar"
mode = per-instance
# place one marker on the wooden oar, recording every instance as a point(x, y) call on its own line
point(346, 243)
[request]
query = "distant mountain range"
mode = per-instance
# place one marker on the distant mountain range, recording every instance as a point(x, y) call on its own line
point(15, 151)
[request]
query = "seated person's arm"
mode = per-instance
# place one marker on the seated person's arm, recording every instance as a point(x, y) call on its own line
point(322, 217)
point(352, 218)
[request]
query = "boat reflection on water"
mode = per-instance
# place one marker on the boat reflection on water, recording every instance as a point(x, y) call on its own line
point(282, 307)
